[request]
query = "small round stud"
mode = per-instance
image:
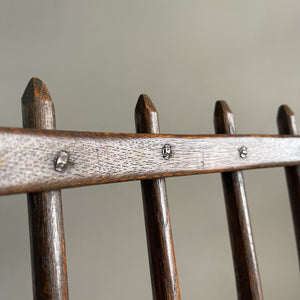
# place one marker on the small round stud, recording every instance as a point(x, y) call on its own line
point(166, 151)
point(61, 161)
point(243, 151)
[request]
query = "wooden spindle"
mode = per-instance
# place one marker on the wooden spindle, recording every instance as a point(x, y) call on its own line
point(165, 285)
point(48, 257)
point(287, 125)
point(242, 244)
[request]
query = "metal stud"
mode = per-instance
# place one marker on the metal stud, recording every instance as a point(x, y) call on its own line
point(166, 151)
point(243, 151)
point(61, 161)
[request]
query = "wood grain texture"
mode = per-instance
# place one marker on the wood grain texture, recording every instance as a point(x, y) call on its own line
point(49, 269)
point(287, 125)
point(27, 157)
point(242, 244)
point(164, 278)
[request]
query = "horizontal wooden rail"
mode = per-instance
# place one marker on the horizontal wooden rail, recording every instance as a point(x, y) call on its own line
point(34, 160)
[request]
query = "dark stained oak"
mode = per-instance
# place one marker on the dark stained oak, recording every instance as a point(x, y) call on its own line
point(243, 251)
point(40, 161)
point(287, 125)
point(164, 278)
point(28, 157)
point(49, 268)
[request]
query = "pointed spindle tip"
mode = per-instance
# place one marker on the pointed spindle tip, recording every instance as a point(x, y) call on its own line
point(144, 104)
point(36, 90)
point(146, 116)
point(37, 106)
point(286, 122)
point(223, 118)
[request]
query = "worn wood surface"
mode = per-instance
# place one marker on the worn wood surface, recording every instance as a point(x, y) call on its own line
point(28, 156)
point(165, 285)
point(287, 125)
point(49, 269)
point(242, 244)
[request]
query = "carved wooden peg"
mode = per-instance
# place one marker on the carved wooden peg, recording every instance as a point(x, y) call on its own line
point(146, 116)
point(286, 121)
point(47, 239)
point(161, 253)
point(242, 243)
point(287, 125)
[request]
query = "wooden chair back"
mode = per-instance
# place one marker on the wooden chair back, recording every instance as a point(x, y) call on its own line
point(49, 268)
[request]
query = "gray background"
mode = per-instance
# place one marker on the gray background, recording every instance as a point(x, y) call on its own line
point(96, 57)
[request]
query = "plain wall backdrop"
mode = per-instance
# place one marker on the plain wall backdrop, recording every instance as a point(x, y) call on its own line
point(96, 57)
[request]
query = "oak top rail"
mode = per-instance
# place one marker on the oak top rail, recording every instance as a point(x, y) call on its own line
point(33, 160)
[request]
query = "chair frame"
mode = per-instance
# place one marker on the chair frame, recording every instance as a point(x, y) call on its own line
point(147, 156)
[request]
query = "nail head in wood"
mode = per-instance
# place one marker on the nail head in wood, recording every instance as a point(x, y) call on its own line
point(166, 151)
point(243, 152)
point(61, 161)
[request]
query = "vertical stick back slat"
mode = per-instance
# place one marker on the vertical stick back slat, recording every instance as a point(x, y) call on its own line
point(242, 244)
point(287, 125)
point(162, 262)
point(48, 257)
